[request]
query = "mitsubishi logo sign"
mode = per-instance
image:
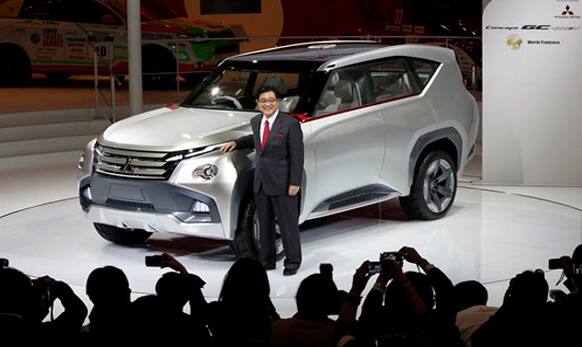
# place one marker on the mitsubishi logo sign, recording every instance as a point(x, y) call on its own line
point(127, 166)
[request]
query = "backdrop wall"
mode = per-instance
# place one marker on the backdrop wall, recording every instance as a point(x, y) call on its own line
point(532, 92)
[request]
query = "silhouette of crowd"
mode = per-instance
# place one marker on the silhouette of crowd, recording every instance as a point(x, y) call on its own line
point(413, 308)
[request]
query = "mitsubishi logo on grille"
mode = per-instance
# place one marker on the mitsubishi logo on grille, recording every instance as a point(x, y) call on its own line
point(127, 166)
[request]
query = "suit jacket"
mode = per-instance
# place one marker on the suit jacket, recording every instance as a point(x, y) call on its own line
point(280, 164)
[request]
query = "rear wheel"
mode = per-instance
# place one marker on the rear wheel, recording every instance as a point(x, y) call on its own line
point(434, 188)
point(122, 236)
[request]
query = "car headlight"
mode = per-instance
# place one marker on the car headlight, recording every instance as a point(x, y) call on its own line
point(81, 163)
point(207, 171)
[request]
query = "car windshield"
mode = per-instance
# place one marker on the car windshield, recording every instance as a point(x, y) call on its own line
point(236, 89)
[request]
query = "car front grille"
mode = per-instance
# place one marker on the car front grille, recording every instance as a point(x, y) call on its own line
point(129, 205)
point(135, 164)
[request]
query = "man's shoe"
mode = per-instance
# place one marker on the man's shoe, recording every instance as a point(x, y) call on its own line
point(290, 271)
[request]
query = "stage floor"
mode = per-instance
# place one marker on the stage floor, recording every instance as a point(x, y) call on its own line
point(488, 236)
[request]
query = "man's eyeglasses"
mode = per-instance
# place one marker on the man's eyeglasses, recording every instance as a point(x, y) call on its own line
point(264, 101)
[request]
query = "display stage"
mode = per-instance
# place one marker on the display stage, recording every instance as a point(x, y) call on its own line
point(487, 236)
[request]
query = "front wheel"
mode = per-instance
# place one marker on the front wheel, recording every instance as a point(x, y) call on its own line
point(247, 241)
point(122, 236)
point(434, 188)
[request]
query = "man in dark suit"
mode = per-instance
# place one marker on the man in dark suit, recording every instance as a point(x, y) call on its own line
point(278, 141)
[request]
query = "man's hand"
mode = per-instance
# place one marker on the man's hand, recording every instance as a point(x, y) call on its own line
point(293, 190)
point(173, 263)
point(228, 147)
point(411, 255)
point(361, 277)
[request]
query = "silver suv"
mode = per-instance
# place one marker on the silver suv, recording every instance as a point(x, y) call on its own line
point(378, 122)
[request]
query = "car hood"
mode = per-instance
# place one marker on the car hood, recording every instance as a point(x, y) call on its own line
point(171, 129)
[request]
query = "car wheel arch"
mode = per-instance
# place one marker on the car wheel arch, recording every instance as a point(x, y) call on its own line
point(446, 139)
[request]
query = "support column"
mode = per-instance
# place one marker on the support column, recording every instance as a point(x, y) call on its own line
point(134, 56)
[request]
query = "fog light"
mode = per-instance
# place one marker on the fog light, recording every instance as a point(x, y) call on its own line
point(87, 194)
point(200, 207)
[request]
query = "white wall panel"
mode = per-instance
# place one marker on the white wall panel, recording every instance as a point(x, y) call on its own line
point(532, 92)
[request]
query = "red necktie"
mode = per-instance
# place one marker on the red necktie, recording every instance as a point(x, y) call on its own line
point(266, 131)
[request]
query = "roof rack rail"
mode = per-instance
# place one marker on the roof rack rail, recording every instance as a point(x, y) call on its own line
point(323, 44)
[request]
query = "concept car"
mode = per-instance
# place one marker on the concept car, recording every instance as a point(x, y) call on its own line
point(378, 122)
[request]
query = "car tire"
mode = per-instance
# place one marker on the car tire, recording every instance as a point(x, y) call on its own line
point(57, 77)
point(247, 240)
point(15, 65)
point(122, 236)
point(434, 187)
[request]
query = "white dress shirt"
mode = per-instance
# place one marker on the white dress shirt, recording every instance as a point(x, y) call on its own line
point(271, 121)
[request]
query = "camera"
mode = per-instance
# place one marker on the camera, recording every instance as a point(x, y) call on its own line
point(4, 262)
point(394, 256)
point(153, 260)
point(375, 267)
point(555, 263)
point(41, 288)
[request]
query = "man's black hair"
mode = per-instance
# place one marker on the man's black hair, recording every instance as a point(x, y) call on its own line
point(265, 89)
point(470, 293)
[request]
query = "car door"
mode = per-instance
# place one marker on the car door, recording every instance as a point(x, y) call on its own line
point(348, 137)
point(91, 27)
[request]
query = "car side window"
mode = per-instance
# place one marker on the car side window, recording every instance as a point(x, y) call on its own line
point(345, 89)
point(424, 70)
point(70, 11)
point(41, 9)
point(391, 78)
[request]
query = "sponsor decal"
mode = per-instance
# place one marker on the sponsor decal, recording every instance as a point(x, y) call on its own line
point(419, 29)
point(533, 27)
point(519, 27)
point(35, 37)
point(566, 28)
point(543, 42)
point(52, 38)
point(567, 13)
point(156, 36)
point(79, 39)
point(514, 42)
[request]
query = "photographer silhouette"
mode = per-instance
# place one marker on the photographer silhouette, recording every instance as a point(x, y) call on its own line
point(565, 313)
point(24, 304)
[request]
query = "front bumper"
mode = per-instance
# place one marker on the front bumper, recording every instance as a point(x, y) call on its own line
point(155, 206)
point(153, 222)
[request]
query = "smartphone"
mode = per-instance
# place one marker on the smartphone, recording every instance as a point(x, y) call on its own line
point(375, 267)
point(555, 263)
point(153, 260)
point(4, 262)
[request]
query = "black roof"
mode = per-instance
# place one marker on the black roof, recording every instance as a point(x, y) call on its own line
point(318, 53)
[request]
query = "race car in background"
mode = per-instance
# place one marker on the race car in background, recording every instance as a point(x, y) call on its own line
point(59, 38)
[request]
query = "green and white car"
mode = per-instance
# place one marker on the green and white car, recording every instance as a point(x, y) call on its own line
point(59, 38)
